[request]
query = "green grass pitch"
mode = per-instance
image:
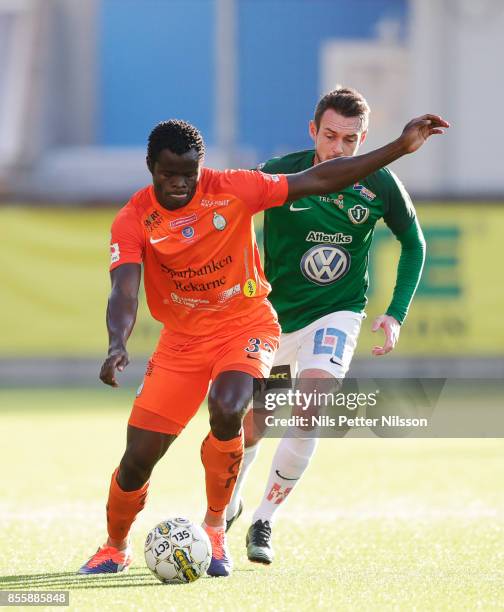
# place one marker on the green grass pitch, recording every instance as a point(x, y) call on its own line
point(377, 524)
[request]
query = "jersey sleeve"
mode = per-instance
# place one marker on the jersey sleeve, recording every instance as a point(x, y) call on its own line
point(126, 239)
point(400, 212)
point(257, 189)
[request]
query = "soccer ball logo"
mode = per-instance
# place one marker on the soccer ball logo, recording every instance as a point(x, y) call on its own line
point(177, 551)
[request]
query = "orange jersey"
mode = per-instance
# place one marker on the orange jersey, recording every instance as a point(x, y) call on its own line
point(201, 262)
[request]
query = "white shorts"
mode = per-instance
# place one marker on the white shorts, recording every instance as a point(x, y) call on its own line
point(326, 344)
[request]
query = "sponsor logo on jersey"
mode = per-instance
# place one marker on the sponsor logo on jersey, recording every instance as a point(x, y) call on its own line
point(227, 294)
point(366, 193)
point(338, 238)
point(153, 220)
point(215, 284)
point(189, 302)
point(183, 221)
point(358, 214)
point(249, 288)
point(209, 268)
point(115, 253)
point(324, 265)
point(211, 203)
point(219, 221)
point(338, 201)
point(188, 232)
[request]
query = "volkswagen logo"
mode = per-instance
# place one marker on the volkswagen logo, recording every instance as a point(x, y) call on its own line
point(325, 264)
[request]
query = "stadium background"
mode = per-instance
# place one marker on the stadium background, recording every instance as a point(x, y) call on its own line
point(82, 84)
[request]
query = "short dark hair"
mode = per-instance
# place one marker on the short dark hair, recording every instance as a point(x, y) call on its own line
point(345, 101)
point(176, 135)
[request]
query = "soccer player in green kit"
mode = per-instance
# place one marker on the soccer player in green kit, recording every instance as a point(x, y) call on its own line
point(316, 259)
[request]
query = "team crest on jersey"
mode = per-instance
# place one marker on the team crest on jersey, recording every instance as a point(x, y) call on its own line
point(219, 221)
point(325, 264)
point(188, 232)
point(358, 214)
point(366, 193)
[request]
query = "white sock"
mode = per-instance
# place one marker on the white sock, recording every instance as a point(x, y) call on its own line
point(249, 454)
point(290, 461)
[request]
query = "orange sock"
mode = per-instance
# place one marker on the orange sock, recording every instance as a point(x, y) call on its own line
point(222, 460)
point(123, 507)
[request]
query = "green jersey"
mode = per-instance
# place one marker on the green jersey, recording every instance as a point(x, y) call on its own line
point(317, 248)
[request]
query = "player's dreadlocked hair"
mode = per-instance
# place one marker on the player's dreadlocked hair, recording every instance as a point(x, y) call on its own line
point(345, 101)
point(176, 135)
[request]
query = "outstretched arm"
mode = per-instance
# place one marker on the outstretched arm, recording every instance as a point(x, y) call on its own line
point(121, 316)
point(409, 272)
point(336, 174)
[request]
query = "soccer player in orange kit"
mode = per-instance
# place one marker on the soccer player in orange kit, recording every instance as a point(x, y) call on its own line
point(192, 231)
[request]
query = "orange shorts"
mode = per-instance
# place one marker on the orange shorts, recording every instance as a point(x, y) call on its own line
point(182, 367)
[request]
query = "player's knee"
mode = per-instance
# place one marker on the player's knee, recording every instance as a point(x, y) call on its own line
point(226, 415)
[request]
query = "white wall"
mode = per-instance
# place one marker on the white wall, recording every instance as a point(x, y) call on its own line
point(452, 64)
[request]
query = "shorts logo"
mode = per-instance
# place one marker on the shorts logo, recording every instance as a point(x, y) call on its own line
point(358, 214)
point(219, 221)
point(115, 253)
point(329, 341)
point(188, 232)
point(325, 264)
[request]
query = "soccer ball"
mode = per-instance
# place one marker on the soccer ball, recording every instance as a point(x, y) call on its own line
point(177, 550)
